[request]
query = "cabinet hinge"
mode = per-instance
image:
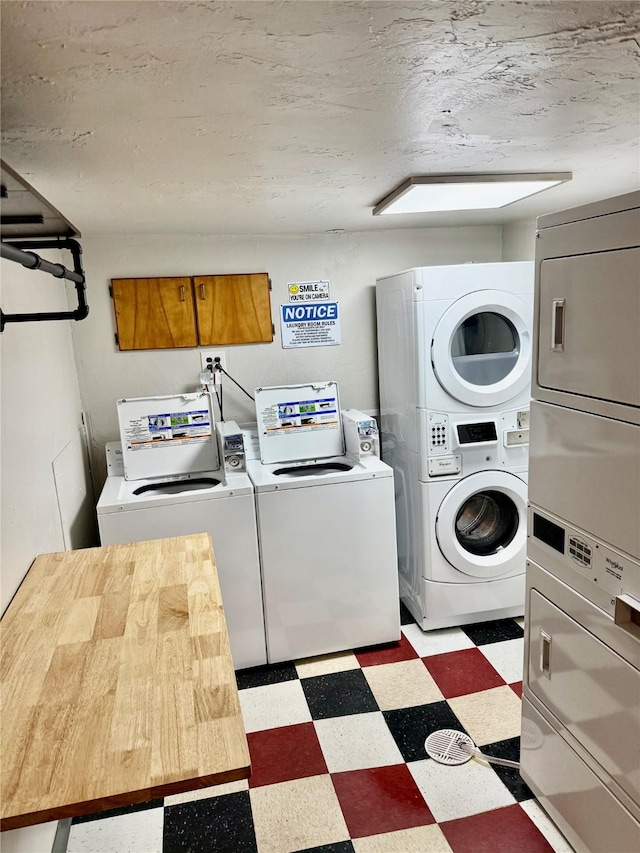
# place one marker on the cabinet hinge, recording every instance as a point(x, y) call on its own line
point(111, 291)
point(117, 339)
point(273, 330)
point(270, 285)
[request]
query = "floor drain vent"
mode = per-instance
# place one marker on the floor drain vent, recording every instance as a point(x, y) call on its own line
point(446, 746)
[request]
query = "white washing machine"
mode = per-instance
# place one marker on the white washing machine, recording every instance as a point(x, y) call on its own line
point(454, 358)
point(326, 523)
point(174, 484)
point(474, 550)
point(463, 542)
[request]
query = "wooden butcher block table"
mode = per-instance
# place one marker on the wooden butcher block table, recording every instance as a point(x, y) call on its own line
point(117, 681)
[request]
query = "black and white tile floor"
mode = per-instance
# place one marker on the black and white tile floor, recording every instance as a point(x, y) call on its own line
point(338, 759)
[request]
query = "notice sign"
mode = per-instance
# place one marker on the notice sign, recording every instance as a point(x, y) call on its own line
point(308, 291)
point(310, 325)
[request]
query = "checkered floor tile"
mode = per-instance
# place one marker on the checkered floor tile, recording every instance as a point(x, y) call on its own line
point(338, 759)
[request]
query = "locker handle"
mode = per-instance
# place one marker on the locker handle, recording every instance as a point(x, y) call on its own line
point(203, 292)
point(557, 325)
point(545, 653)
point(182, 297)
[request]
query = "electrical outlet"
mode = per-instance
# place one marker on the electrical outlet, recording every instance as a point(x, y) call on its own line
point(206, 354)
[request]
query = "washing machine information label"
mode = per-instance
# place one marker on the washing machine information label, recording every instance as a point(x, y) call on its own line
point(300, 416)
point(168, 429)
point(310, 325)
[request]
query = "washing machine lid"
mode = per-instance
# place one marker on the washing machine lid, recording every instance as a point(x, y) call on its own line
point(120, 495)
point(340, 469)
point(481, 348)
point(167, 435)
point(481, 524)
point(299, 422)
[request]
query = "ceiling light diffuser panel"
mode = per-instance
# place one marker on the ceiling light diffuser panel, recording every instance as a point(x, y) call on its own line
point(436, 193)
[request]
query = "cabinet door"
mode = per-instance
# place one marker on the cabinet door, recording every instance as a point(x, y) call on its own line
point(233, 309)
point(154, 313)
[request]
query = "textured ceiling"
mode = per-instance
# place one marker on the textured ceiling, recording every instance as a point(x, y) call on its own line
point(297, 117)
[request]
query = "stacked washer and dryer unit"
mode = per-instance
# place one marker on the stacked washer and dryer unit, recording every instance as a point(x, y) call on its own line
point(454, 359)
point(580, 745)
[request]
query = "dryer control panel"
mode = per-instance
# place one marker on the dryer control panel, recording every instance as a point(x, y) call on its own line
point(461, 444)
point(592, 567)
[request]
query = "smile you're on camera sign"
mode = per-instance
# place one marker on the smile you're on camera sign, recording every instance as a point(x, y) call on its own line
point(310, 319)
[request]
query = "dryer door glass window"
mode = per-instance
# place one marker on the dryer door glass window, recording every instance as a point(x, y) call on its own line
point(481, 347)
point(486, 523)
point(485, 348)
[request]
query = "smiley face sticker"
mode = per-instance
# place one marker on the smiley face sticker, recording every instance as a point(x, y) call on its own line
point(293, 289)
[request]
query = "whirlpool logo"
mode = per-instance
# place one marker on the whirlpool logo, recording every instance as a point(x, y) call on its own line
point(613, 567)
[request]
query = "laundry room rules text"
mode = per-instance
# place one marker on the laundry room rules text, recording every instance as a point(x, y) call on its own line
point(310, 324)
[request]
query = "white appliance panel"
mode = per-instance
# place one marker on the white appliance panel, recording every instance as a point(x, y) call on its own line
point(329, 567)
point(167, 436)
point(586, 469)
point(588, 341)
point(232, 524)
point(451, 281)
point(397, 362)
point(297, 422)
point(459, 445)
point(446, 604)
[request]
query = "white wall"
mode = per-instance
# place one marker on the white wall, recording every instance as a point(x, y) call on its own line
point(351, 263)
point(519, 241)
point(40, 421)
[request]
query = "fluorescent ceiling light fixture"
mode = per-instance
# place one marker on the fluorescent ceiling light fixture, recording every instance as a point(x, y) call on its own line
point(431, 193)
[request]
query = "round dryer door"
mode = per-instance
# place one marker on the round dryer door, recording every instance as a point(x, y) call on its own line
point(482, 348)
point(481, 524)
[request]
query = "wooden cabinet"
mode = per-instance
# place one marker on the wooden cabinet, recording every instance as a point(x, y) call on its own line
point(210, 310)
point(233, 309)
point(154, 313)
